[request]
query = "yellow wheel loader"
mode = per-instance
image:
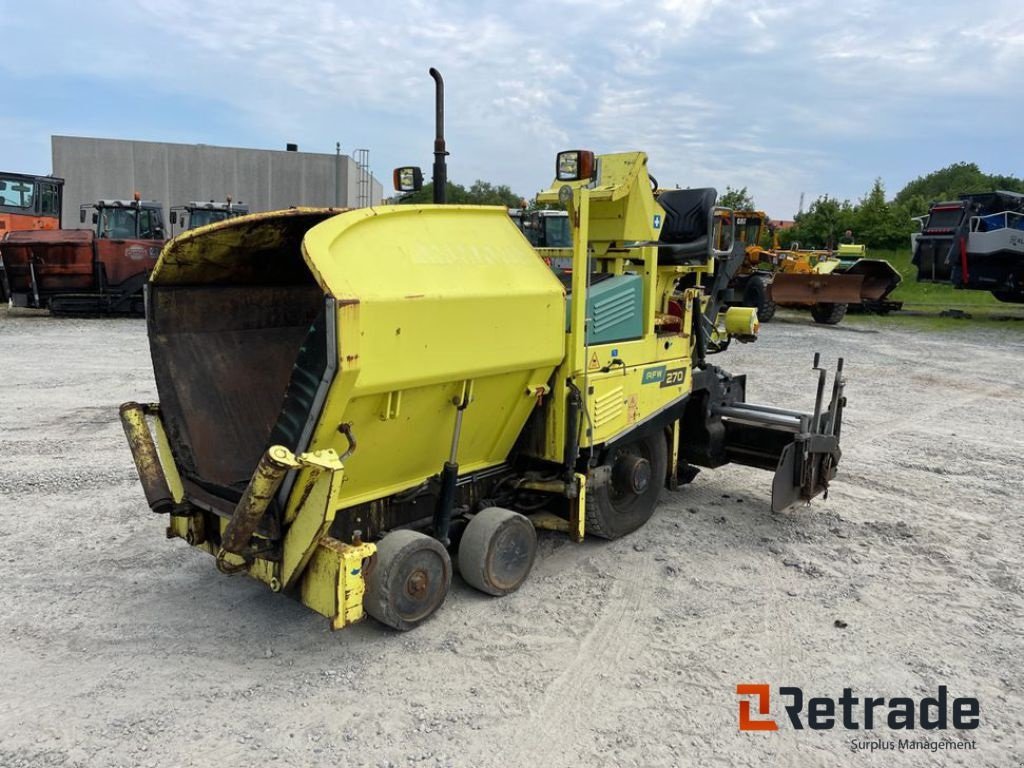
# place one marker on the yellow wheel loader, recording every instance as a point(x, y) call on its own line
point(354, 404)
point(823, 281)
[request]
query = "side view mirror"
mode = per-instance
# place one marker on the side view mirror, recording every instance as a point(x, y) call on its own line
point(408, 179)
point(81, 216)
point(574, 165)
point(95, 218)
point(174, 217)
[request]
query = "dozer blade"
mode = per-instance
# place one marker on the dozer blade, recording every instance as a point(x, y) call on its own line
point(785, 492)
point(808, 463)
point(787, 288)
point(880, 277)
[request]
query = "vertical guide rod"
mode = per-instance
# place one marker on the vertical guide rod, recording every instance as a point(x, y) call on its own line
point(440, 152)
point(450, 472)
point(815, 423)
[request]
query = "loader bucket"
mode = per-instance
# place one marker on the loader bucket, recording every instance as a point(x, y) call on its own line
point(812, 288)
point(854, 282)
point(880, 277)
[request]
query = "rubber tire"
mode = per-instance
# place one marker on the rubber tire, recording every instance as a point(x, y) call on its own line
point(501, 537)
point(828, 314)
point(388, 576)
point(605, 518)
point(757, 295)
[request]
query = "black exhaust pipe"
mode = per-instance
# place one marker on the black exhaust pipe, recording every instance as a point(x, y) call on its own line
point(440, 165)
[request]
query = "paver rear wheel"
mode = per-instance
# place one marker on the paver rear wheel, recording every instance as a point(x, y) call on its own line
point(628, 500)
point(497, 551)
point(408, 579)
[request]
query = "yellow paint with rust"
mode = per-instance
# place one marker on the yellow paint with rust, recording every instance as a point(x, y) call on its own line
point(163, 449)
point(327, 572)
point(334, 583)
point(209, 253)
point(314, 513)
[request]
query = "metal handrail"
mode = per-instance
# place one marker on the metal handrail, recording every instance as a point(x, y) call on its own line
point(726, 215)
point(992, 218)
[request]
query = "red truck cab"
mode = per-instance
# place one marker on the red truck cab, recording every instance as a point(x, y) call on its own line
point(86, 271)
point(29, 202)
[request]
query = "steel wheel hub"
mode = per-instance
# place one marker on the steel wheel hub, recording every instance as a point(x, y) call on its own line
point(632, 474)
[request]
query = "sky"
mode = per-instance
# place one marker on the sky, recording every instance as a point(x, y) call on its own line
point(783, 98)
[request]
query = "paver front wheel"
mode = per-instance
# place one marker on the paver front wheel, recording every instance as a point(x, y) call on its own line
point(628, 501)
point(408, 579)
point(497, 551)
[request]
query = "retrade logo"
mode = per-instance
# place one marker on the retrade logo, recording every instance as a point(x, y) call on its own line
point(853, 713)
point(762, 694)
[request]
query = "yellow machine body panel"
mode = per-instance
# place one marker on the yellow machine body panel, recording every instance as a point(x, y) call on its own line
point(436, 286)
point(624, 383)
point(424, 297)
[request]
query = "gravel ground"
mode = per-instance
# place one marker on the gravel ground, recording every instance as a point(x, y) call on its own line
point(119, 648)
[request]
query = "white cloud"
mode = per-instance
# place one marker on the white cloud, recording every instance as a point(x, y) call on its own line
point(776, 96)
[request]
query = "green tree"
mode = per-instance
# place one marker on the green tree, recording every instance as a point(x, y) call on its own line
point(484, 193)
point(456, 194)
point(822, 224)
point(880, 224)
point(949, 183)
point(737, 199)
point(479, 193)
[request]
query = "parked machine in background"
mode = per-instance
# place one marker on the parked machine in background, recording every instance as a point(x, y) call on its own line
point(550, 232)
point(199, 214)
point(547, 229)
point(976, 243)
point(86, 271)
point(28, 203)
point(824, 281)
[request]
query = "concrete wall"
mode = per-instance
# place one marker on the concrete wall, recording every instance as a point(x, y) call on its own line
point(174, 174)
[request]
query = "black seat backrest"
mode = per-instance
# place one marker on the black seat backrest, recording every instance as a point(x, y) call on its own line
point(687, 213)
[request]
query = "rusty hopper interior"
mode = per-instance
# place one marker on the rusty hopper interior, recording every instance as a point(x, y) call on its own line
point(225, 336)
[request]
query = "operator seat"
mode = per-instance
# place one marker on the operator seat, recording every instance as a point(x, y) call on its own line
point(685, 234)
